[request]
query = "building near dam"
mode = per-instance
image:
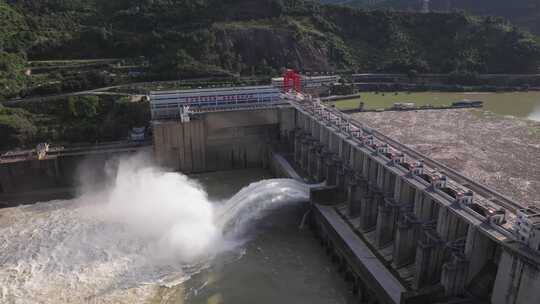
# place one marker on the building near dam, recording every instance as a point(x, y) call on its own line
point(309, 82)
point(527, 226)
point(170, 104)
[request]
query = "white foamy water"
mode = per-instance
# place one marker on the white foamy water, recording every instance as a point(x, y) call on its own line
point(150, 228)
point(535, 115)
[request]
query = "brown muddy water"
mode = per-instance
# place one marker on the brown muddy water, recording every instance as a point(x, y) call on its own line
point(162, 238)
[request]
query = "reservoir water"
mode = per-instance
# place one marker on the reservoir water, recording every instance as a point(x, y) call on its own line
point(517, 104)
point(156, 237)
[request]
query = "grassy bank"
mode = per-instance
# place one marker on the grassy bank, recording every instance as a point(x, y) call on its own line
point(519, 104)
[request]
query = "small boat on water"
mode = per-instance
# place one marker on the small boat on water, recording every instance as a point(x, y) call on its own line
point(403, 106)
point(468, 104)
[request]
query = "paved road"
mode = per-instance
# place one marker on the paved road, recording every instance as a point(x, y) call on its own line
point(101, 91)
point(98, 91)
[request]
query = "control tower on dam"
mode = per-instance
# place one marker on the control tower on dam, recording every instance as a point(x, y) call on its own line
point(402, 228)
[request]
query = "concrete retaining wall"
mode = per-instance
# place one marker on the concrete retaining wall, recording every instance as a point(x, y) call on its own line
point(55, 177)
point(220, 140)
point(518, 280)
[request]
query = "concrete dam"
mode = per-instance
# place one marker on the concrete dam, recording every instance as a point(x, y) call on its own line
point(399, 227)
point(402, 228)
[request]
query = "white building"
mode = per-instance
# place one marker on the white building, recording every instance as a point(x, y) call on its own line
point(527, 227)
point(308, 82)
point(169, 104)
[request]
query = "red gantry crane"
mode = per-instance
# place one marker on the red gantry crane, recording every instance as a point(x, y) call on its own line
point(291, 81)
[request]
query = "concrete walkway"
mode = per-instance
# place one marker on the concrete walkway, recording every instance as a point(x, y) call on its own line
point(378, 271)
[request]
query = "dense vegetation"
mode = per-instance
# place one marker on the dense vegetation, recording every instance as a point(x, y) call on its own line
point(525, 13)
point(191, 38)
point(70, 120)
point(200, 37)
point(14, 41)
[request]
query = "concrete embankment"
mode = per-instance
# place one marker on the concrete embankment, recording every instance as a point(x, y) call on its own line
point(58, 175)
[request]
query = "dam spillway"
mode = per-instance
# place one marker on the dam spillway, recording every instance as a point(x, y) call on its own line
point(429, 233)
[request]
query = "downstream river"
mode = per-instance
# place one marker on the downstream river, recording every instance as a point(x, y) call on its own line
point(516, 104)
point(280, 264)
point(153, 238)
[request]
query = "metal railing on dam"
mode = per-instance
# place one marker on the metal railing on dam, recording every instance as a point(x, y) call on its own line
point(442, 235)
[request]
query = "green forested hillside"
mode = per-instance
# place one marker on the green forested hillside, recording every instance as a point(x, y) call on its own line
point(15, 39)
point(525, 13)
point(190, 37)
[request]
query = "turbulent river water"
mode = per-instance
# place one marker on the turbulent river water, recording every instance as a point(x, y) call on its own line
point(153, 237)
